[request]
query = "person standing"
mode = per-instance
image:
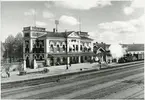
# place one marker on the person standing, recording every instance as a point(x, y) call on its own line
point(35, 64)
point(7, 70)
point(24, 65)
point(70, 64)
point(99, 63)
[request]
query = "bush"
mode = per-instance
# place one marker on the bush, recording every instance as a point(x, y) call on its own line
point(45, 70)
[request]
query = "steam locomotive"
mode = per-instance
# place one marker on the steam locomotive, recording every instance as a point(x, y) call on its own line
point(129, 58)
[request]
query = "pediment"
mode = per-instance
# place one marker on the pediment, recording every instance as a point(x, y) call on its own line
point(73, 34)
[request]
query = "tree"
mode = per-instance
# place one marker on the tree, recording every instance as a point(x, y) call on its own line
point(13, 47)
point(9, 43)
point(18, 46)
point(2, 51)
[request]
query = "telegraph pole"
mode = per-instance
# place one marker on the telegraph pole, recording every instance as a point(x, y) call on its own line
point(79, 24)
point(34, 15)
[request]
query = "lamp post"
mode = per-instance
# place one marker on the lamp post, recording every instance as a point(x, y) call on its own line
point(66, 50)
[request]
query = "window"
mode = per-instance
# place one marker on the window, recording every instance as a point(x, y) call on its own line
point(89, 49)
point(51, 48)
point(76, 47)
point(73, 40)
point(37, 42)
point(85, 57)
point(26, 35)
point(73, 47)
point(34, 48)
point(63, 47)
point(58, 49)
point(26, 50)
point(85, 49)
point(81, 48)
point(41, 58)
point(70, 49)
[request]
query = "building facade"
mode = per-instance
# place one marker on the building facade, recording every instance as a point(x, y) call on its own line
point(56, 48)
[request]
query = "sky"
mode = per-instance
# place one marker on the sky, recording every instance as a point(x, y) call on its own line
point(105, 20)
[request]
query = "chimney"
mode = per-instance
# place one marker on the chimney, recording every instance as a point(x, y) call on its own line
point(54, 30)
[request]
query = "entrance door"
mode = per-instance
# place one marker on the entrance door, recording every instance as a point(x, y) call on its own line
point(27, 63)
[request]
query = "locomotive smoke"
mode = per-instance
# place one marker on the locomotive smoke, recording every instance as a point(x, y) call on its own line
point(116, 50)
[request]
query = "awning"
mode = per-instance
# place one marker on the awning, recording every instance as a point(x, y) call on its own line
point(72, 54)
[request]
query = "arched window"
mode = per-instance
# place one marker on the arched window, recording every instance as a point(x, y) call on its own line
point(64, 60)
point(34, 48)
point(63, 47)
point(26, 46)
point(58, 61)
point(40, 45)
point(51, 48)
point(37, 42)
point(58, 48)
point(41, 58)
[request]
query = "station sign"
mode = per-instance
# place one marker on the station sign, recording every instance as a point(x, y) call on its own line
point(34, 29)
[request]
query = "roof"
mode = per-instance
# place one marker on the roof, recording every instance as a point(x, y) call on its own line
point(86, 38)
point(54, 34)
point(71, 54)
point(63, 34)
point(82, 33)
point(100, 45)
point(134, 47)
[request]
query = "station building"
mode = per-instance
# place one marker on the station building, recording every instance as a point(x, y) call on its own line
point(56, 48)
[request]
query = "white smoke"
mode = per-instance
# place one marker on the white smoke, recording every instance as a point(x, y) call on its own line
point(116, 50)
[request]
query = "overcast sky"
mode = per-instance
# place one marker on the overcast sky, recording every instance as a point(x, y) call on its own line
point(105, 20)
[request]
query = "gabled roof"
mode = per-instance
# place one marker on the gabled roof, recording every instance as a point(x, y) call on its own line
point(100, 45)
